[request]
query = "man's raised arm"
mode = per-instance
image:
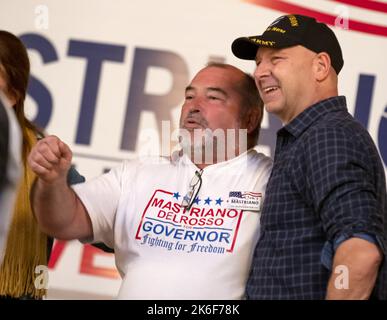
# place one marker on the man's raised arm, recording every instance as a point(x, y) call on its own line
point(57, 208)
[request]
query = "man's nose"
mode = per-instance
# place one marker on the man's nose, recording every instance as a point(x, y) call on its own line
point(262, 70)
point(196, 105)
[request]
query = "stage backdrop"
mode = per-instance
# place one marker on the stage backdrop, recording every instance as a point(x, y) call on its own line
point(105, 74)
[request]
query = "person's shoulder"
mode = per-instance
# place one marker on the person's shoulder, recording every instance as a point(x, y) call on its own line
point(342, 141)
point(327, 140)
point(265, 160)
point(260, 155)
point(333, 130)
point(261, 159)
point(338, 123)
point(145, 163)
point(339, 131)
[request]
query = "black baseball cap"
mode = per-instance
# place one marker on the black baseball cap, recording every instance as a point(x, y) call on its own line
point(291, 30)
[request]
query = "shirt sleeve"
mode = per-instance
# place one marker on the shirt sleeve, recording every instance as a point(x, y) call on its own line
point(101, 196)
point(330, 248)
point(341, 186)
point(74, 177)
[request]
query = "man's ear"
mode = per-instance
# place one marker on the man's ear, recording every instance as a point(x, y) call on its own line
point(322, 66)
point(253, 119)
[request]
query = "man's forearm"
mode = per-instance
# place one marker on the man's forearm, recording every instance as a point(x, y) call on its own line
point(54, 205)
point(57, 208)
point(354, 271)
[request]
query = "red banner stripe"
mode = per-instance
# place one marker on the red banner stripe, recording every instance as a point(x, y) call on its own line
point(366, 4)
point(320, 16)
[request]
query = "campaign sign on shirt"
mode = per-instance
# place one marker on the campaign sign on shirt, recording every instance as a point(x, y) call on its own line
point(208, 227)
point(245, 200)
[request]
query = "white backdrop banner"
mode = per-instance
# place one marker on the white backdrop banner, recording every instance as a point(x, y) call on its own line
point(106, 74)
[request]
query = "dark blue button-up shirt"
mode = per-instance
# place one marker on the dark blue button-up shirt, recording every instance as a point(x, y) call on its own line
point(327, 184)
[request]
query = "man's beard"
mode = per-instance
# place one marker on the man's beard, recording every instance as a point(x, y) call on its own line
point(205, 146)
point(197, 144)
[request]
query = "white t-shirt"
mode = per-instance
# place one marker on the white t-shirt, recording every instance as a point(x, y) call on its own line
point(163, 251)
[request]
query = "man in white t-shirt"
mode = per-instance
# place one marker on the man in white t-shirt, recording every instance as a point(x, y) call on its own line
point(182, 227)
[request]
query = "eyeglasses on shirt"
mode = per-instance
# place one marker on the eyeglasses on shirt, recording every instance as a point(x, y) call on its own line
point(193, 190)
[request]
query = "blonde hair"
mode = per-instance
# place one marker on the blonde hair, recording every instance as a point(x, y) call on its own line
point(26, 245)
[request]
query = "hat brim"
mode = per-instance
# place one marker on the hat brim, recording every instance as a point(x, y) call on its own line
point(246, 47)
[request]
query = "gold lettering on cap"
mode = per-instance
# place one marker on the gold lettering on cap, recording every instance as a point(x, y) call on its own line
point(293, 21)
point(276, 29)
point(263, 42)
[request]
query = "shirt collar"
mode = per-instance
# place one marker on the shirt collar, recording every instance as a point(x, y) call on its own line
point(311, 114)
point(183, 158)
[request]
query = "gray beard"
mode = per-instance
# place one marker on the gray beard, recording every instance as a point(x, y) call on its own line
point(198, 144)
point(204, 146)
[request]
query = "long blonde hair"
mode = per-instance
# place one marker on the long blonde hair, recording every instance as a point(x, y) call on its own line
point(26, 244)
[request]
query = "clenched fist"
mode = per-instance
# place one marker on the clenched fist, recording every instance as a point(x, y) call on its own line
point(50, 159)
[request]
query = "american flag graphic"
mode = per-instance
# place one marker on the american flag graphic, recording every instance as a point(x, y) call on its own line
point(242, 195)
point(235, 194)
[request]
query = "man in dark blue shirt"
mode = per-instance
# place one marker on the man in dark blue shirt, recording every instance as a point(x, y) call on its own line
point(324, 220)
